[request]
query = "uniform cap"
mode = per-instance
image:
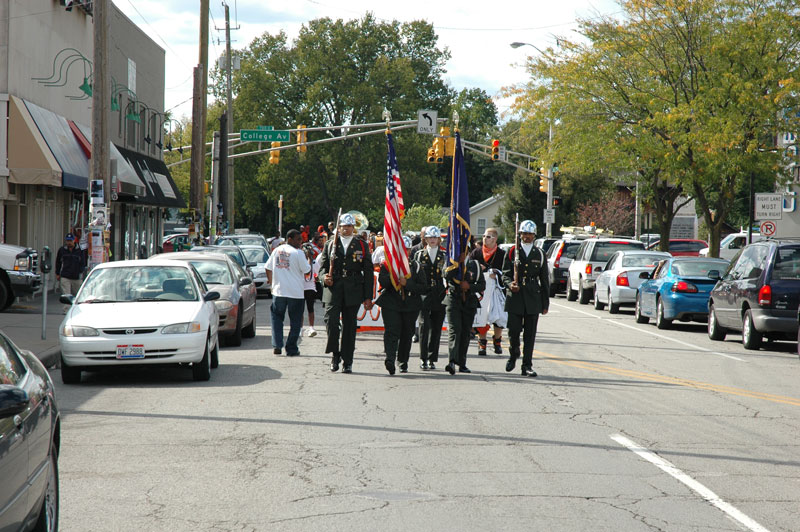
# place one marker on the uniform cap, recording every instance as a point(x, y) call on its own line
point(432, 231)
point(347, 219)
point(69, 236)
point(407, 242)
point(527, 226)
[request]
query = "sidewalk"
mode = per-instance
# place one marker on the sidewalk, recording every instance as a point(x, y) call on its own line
point(22, 322)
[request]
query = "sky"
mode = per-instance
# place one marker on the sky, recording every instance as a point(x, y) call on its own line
point(477, 34)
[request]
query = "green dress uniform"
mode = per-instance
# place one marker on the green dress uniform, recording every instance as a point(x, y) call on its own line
point(461, 312)
point(352, 284)
point(433, 309)
point(399, 309)
point(525, 306)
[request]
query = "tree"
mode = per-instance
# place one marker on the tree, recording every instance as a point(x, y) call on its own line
point(614, 213)
point(419, 216)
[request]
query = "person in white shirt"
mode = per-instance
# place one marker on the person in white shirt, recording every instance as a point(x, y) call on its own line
point(286, 270)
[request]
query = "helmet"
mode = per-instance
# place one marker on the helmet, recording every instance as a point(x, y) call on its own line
point(347, 219)
point(407, 242)
point(527, 226)
point(432, 231)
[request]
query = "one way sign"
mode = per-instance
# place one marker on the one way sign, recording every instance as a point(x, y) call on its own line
point(426, 121)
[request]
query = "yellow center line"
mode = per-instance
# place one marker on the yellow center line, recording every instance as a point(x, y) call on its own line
point(698, 385)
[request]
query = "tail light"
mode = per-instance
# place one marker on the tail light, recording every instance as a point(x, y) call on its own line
point(558, 256)
point(622, 279)
point(589, 269)
point(683, 286)
point(765, 296)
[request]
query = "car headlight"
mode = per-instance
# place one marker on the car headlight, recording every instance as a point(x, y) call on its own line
point(22, 264)
point(183, 328)
point(77, 330)
point(223, 306)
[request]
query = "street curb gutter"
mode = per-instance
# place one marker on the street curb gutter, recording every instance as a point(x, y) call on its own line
point(50, 357)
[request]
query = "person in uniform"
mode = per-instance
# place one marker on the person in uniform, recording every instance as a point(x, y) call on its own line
point(345, 288)
point(462, 303)
point(400, 308)
point(526, 297)
point(432, 260)
point(490, 257)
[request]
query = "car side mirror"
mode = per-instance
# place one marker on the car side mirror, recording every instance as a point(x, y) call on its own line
point(13, 400)
point(252, 264)
point(644, 275)
point(244, 281)
point(714, 274)
point(211, 296)
point(67, 299)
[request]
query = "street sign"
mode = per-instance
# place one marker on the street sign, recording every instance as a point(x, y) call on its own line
point(768, 228)
point(264, 135)
point(265, 128)
point(549, 216)
point(502, 153)
point(768, 206)
point(426, 121)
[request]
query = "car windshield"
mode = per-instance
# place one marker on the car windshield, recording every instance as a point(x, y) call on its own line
point(235, 255)
point(256, 255)
point(696, 268)
point(137, 283)
point(213, 271)
point(727, 239)
point(641, 261)
point(603, 250)
point(241, 241)
point(787, 263)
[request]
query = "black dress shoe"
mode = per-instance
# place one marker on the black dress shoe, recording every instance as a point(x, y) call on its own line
point(464, 369)
point(482, 352)
point(451, 368)
point(389, 366)
point(423, 364)
point(404, 367)
point(431, 365)
point(334, 367)
point(511, 363)
point(295, 354)
point(335, 359)
point(276, 351)
point(348, 368)
point(527, 372)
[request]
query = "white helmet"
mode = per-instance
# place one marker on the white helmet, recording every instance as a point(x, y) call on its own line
point(407, 242)
point(433, 231)
point(527, 226)
point(347, 219)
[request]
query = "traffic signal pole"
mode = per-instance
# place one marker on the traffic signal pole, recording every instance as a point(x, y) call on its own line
point(549, 225)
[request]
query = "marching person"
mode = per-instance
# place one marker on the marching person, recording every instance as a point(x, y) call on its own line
point(490, 257)
point(462, 303)
point(347, 285)
point(311, 288)
point(432, 260)
point(527, 296)
point(287, 267)
point(70, 263)
point(400, 308)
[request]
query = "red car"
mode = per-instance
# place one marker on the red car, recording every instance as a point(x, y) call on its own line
point(171, 241)
point(682, 247)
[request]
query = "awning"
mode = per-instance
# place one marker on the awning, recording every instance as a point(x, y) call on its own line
point(159, 187)
point(126, 182)
point(30, 161)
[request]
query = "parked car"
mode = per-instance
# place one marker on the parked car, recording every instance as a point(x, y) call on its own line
point(588, 263)
point(18, 267)
point(251, 239)
point(132, 312)
point(544, 243)
point(176, 242)
point(730, 245)
point(678, 289)
point(30, 433)
point(236, 305)
point(259, 255)
point(559, 257)
point(234, 252)
point(682, 247)
point(619, 281)
point(758, 294)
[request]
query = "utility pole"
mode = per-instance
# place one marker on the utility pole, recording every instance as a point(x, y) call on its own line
point(550, 185)
point(228, 204)
point(215, 183)
point(101, 166)
point(199, 105)
point(221, 197)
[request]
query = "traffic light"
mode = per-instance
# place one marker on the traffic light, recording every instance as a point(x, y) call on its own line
point(495, 154)
point(438, 149)
point(275, 155)
point(449, 142)
point(556, 201)
point(543, 181)
point(431, 156)
point(302, 138)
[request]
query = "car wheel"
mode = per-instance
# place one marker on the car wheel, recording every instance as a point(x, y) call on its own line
point(572, 295)
point(215, 355)
point(637, 312)
point(583, 295)
point(597, 304)
point(613, 308)
point(250, 330)
point(552, 290)
point(48, 514)
point(661, 321)
point(69, 374)
point(5, 300)
point(751, 338)
point(235, 340)
point(715, 331)
point(201, 371)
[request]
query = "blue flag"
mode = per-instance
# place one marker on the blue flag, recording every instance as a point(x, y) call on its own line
point(458, 234)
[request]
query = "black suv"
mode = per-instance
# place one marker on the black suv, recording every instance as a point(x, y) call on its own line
point(758, 294)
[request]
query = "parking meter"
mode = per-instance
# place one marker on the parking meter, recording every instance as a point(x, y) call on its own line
point(45, 265)
point(45, 261)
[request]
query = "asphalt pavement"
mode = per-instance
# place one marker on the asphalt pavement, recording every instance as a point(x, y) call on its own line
point(22, 322)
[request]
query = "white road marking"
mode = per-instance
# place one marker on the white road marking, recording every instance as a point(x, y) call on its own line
point(691, 483)
point(651, 333)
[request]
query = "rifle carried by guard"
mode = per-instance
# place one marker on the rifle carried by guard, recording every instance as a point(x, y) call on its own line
point(335, 240)
point(516, 250)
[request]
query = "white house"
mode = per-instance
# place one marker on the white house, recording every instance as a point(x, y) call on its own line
point(482, 215)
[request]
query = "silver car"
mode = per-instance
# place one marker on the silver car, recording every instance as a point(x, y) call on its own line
point(619, 281)
point(258, 255)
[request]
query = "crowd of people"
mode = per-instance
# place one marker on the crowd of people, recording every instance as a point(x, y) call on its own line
point(507, 290)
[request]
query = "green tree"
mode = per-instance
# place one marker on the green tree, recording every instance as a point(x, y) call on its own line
point(419, 216)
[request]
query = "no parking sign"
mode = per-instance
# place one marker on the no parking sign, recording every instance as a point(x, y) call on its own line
point(768, 228)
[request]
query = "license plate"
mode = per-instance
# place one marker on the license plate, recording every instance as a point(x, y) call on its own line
point(565, 273)
point(130, 351)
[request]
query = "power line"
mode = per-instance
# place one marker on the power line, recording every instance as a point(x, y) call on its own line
point(157, 34)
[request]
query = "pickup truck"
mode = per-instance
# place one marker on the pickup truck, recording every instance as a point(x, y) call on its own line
point(18, 275)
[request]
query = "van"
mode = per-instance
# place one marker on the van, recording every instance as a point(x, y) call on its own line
point(731, 244)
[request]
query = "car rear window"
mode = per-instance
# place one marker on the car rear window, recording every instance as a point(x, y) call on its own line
point(787, 263)
point(686, 246)
point(641, 261)
point(603, 250)
point(697, 268)
point(570, 250)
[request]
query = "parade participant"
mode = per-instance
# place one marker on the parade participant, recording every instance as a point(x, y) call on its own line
point(527, 295)
point(346, 270)
point(490, 257)
point(462, 303)
point(399, 308)
point(70, 263)
point(432, 260)
point(311, 285)
point(286, 270)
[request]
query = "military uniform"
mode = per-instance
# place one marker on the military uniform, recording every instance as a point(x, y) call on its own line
point(525, 306)
point(352, 284)
point(461, 312)
point(433, 310)
point(399, 309)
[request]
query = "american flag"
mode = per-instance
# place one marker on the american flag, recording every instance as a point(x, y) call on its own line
point(395, 250)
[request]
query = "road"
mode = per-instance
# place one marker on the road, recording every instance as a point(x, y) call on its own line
point(627, 428)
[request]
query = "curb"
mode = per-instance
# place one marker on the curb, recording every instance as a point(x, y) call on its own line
point(50, 357)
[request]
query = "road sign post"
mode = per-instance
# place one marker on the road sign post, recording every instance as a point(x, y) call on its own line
point(768, 206)
point(768, 228)
point(549, 216)
point(264, 135)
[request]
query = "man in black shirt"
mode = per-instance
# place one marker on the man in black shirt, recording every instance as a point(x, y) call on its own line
point(70, 264)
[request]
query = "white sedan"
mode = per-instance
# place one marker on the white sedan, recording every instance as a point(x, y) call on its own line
point(619, 281)
point(140, 312)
